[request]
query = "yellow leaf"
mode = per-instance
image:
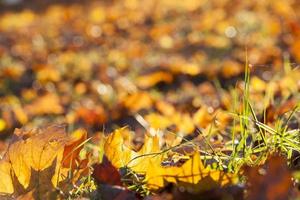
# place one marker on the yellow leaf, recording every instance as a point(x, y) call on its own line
point(46, 104)
point(6, 185)
point(158, 121)
point(184, 122)
point(140, 160)
point(191, 173)
point(121, 155)
point(202, 118)
point(165, 108)
point(148, 161)
point(2, 124)
point(36, 160)
point(137, 101)
point(115, 150)
point(37, 152)
point(149, 80)
point(257, 84)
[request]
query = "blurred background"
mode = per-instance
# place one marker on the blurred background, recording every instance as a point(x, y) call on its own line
point(143, 63)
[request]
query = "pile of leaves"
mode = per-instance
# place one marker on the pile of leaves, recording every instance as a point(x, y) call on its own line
point(161, 99)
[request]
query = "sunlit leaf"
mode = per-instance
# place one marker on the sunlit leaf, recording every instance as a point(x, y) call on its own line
point(36, 160)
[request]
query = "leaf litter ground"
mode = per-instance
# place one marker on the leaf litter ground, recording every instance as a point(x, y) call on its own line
point(161, 99)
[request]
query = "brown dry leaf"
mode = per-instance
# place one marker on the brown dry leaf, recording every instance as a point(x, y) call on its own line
point(287, 106)
point(35, 160)
point(272, 112)
point(47, 104)
point(106, 173)
point(271, 181)
point(27, 196)
point(108, 192)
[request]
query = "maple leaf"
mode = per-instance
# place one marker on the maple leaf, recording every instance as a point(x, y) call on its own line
point(148, 161)
point(39, 160)
point(121, 154)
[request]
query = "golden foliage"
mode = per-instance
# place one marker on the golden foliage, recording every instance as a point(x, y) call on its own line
point(39, 160)
point(148, 161)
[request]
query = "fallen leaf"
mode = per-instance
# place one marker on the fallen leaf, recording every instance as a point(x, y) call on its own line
point(148, 161)
point(6, 184)
point(2, 124)
point(36, 160)
point(106, 173)
point(270, 181)
point(137, 101)
point(92, 116)
point(149, 80)
point(46, 104)
point(73, 148)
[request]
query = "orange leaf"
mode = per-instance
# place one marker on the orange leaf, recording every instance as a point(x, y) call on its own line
point(272, 181)
point(73, 148)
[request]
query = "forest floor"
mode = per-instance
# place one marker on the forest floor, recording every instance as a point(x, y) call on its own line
point(150, 99)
